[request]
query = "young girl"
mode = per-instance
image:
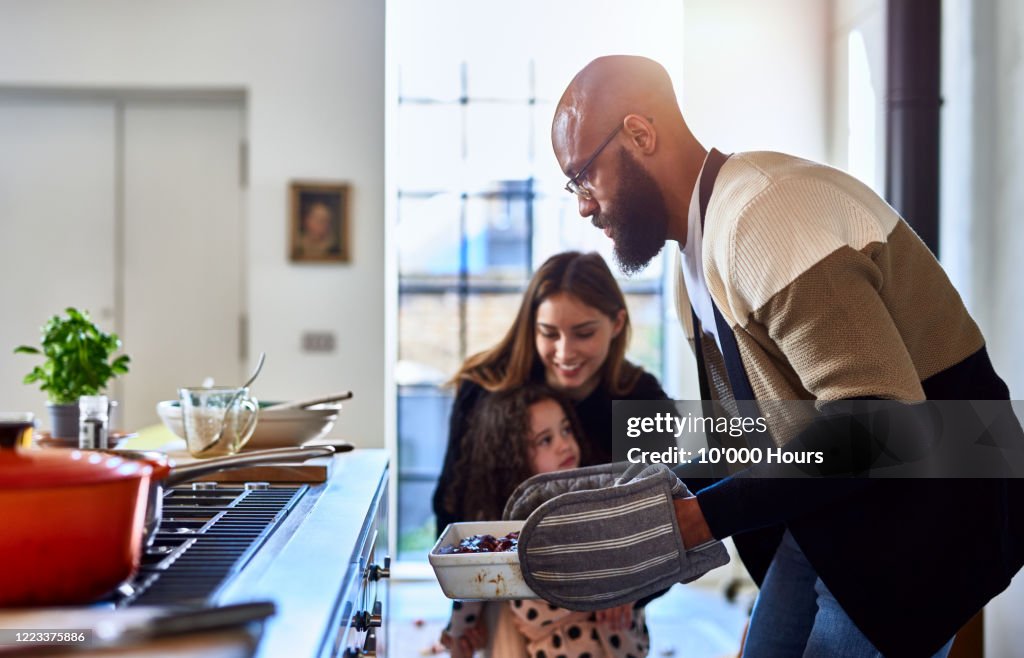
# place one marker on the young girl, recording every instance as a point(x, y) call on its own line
point(513, 435)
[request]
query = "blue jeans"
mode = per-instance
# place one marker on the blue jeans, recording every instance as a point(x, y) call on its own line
point(796, 615)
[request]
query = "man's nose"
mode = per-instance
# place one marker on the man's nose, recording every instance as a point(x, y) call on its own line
point(587, 206)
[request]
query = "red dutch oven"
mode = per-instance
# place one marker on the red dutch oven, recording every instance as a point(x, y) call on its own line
point(71, 524)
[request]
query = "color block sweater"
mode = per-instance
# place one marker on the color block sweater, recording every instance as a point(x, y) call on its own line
point(829, 293)
point(831, 296)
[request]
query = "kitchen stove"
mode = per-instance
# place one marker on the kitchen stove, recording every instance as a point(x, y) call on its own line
point(208, 534)
point(318, 551)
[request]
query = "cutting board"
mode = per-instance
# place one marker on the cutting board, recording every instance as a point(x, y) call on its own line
point(311, 471)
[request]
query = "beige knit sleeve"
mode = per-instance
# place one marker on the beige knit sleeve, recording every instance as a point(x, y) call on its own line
point(832, 327)
point(797, 258)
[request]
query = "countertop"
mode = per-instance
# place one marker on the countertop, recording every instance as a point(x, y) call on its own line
point(304, 567)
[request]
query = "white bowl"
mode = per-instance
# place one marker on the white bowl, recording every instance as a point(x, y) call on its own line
point(479, 576)
point(274, 428)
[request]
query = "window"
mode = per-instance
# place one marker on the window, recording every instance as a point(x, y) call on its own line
point(480, 204)
point(856, 140)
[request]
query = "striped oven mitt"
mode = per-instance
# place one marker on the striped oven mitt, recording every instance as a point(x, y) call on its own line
point(596, 548)
point(539, 489)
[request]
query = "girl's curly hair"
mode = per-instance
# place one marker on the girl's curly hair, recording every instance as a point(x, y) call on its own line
point(495, 455)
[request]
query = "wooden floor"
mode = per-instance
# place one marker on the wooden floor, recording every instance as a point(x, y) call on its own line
point(688, 622)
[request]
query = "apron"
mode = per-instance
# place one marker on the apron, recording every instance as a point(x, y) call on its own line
point(756, 547)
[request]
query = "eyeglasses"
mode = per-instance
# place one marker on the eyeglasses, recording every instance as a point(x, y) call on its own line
point(575, 184)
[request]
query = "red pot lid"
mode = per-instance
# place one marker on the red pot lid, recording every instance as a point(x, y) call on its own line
point(54, 467)
point(161, 463)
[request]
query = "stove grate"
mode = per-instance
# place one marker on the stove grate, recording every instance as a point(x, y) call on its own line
point(206, 537)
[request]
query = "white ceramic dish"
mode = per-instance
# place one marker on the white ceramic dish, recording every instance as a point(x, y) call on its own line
point(479, 576)
point(274, 429)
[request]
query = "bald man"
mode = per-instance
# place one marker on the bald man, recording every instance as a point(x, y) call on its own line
point(797, 282)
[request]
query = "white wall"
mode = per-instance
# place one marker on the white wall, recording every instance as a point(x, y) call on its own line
point(985, 85)
point(982, 199)
point(980, 196)
point(754, 78)
point(755, 75)
point(868, 18)
point(314, 73)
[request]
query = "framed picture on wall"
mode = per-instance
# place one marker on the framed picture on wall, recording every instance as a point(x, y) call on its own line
point(319, 222)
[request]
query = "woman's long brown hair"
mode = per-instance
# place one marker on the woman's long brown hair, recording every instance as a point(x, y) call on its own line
point(513, 360)
point(495, 454)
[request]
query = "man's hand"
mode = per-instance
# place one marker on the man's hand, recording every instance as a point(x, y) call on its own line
point(618, 618)
point(692, 526)
point(595, 548)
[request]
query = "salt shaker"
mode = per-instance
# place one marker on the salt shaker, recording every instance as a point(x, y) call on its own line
point(92, 422)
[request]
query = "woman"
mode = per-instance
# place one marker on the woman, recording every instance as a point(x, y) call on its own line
point(571, 332)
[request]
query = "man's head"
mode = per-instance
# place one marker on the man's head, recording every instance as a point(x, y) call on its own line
point(619, 136)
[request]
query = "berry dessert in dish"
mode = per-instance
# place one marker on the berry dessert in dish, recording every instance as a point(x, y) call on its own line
point(484, 544)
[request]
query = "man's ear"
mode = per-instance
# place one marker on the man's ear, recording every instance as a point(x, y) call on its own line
point(640, 130)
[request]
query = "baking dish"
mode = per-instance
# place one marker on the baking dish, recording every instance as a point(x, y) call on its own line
point(479, 576)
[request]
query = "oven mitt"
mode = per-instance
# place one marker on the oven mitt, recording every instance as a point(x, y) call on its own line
point(599, 548)
point(538, 489)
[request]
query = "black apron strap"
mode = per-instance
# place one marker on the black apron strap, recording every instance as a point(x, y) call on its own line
point(756, 547)
point(741, 388)
point(702, 373)
point(738, 380)
point(713, 164)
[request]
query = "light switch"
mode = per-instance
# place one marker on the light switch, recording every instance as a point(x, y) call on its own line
point(318, 341)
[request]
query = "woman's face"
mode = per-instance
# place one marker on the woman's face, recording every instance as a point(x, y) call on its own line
point(573, 341)
point(551, 444)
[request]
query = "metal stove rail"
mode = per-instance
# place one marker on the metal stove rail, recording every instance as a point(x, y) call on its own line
point(207, 535)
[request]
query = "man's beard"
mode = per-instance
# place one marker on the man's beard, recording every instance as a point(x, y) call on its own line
point(638, 217)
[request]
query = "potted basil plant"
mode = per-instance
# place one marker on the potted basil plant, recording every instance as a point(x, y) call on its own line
point(77, 361)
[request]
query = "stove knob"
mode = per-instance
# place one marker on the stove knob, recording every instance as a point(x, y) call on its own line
point(365, 620)
point(374, 619)
point(378, 572)
point(204, 486)
point(257, 486)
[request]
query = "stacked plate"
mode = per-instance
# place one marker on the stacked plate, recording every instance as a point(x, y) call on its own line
point(275, 428)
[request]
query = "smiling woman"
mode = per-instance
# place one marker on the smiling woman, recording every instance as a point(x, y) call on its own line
point(573, 340)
